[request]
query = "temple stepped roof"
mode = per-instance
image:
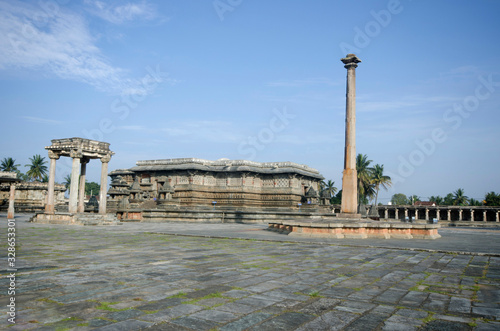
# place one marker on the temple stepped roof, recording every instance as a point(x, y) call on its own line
point(225, 165)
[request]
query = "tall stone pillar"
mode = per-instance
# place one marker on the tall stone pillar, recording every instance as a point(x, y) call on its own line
point(472, 215)
point(437, 214)
point(426, 214)
point(449, 215)
point(396, 213)
point(485, 218)
point(81, 191)
point(49, 207)
point(12, 196)
point(350, 176)
point(416, 214)
point(460, 214)
point(386, 213)
point(104, 183)
point(73, 190)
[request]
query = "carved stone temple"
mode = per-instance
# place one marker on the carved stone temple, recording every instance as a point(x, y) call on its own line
point(81, 151)
point(222, 185)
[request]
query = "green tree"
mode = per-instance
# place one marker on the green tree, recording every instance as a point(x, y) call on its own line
point(459, 198)
point(92, 188)
point(37, 168)
point(436, 199)
point(337, 199)
point(9, 164)
point(328, 187)
point(365, 174)
point(413, 198)
point(379, 179)
point(67, 182)
point(399, 199)
point(474, 202)
point(448, 199)
point(492, 199)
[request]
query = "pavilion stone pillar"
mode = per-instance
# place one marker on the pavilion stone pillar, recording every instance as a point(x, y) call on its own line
point(396, 213)
point(49, 207)
point(437, 214)
point(416, 214)
point(449, 215)
point(497, 218)
point(386, 213)
point(406, 213)
point(426, 214)
point(349, 178)
point(472, 215)
point(485, 218)
point(104, 183)
point(81, 188)
point(12, 196)
point(73, 190)
point(460, 214)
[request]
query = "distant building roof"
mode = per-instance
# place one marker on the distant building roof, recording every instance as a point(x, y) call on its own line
point(425, 203)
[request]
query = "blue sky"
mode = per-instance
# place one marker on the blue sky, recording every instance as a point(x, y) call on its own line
point(259, 80)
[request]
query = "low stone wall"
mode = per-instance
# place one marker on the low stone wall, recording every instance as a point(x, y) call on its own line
point(30, 196)
point(75, 219)
point(217, 216)
point(357, 230)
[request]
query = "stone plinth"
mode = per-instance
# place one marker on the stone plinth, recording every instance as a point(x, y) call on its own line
point(75, 219)
point(357, 230)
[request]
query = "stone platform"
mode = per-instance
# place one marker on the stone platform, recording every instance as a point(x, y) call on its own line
point(357, 229)
point(75, 218)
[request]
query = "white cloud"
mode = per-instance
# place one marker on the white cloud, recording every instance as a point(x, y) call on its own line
point(120, 14)
point(57, 43)
point(42, 120)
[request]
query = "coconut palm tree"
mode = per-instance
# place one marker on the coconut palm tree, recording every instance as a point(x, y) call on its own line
point(379, 179)
point(37, 168)
point(329, 187)
point(459, 198)
point(67, 182)
point(9, 164)
point(365, 186)
point(413, 198)
point(474, 202)
point(436, 199)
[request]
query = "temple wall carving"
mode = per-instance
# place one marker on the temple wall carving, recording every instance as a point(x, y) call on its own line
point(200, 183)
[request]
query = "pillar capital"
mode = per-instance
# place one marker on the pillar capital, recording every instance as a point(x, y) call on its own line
point(106, 158)
point(84, 160)
point(76, 154)
point(53, 155)
point(351, 61)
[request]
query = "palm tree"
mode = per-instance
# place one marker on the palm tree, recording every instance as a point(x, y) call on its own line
point(474, 202)
point(413, 198)
point(38, 169)
point(67, 182)
point(379, 179)
point(365, 174)
point(436, 199)
point(329, 187)
point(448, 199)
point(9, 164)
point(492, 199)
point(459, 198)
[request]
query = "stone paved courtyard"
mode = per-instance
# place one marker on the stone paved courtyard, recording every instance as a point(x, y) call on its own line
point(138, 276)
